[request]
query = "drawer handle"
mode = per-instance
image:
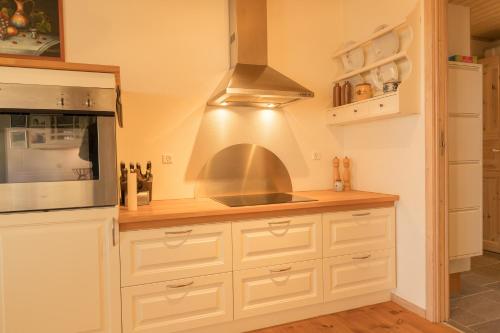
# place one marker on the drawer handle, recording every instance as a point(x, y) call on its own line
point(361, 214)
point(175, 286)
point(178, 232)
point(494, 150)
point(280, 270)
point(362, 258)
point(279, 223)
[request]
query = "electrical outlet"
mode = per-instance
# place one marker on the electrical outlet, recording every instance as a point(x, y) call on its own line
point(166, 159)
point(316, 156)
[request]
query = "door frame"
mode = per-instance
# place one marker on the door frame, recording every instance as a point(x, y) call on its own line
point(436, 155)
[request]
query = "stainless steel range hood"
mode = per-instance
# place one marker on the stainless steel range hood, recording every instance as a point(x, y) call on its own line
point(251, 81)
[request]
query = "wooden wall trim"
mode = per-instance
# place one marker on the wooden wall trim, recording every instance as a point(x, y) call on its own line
point(408, 305)
point(436, 72)
point(61, 65)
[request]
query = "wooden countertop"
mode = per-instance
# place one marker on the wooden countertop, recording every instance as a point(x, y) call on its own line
point(168, 213)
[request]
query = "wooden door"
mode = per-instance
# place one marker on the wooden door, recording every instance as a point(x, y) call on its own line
point(59, 277)
point(491, 122)
point(491, 152)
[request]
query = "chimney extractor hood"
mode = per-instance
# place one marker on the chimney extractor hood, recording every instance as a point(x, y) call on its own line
point(250, 81)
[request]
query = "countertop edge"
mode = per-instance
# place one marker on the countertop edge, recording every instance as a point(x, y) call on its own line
point(155, 218)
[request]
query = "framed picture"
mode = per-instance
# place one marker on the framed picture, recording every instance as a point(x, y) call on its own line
point(32, 29)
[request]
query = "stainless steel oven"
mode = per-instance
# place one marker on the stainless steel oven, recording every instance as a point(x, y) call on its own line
point(57, 147)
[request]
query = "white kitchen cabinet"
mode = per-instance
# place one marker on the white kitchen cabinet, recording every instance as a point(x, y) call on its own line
point(358, 231)
point(276, 241)
point(178, 305)
point(174, 253)
point(276, 288)
point(359, 274)
point(59, 272)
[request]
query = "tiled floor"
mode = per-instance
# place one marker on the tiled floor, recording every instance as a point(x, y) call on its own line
point(477, 309)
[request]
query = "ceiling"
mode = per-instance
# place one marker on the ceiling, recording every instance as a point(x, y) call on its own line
point(485, 18)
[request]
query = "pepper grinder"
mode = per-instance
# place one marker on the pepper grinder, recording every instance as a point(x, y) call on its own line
point(347, 174)
point(338, 184)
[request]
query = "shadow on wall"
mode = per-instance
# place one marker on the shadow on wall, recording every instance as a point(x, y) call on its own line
point(224, 127)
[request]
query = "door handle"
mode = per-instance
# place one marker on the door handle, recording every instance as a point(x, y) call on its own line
point(180, 285)
point(178, 232)
point(361, 214)
point(278, 223)
point(362, 258)
point(280, 270)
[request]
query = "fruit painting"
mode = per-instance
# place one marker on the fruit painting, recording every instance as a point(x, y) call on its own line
point(31, 29)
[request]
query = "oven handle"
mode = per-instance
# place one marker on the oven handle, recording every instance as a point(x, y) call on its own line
point(119, 107)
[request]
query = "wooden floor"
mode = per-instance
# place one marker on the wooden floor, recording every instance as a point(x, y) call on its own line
point(380, 318)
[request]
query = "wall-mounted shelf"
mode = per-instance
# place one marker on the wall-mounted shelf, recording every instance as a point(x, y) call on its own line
point(372, 37)
point(407, 99)
point(371, 66)
point(378, 107)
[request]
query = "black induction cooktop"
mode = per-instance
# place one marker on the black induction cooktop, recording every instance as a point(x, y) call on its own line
point(260, 199)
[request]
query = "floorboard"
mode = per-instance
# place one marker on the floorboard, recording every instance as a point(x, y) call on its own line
point(381, 318)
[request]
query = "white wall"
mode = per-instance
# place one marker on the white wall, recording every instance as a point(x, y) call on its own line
point(174, 52)
point(389, 156)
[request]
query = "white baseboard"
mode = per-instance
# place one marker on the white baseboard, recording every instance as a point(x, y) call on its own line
point(408, 305)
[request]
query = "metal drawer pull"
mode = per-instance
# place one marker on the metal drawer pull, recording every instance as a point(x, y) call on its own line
point(280, 270)
point(279, 223)
point(495, 150)
point(178, 232)
point(362, 258)
point(180, 285)
point(360, 214)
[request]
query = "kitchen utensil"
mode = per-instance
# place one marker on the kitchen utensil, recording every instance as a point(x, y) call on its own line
point(346, 92)
point(336, 170)
point(132, 190)
point(353, 59)
point(339, 186)
point(391, 86)
point(363, 91)
point(389, 72)
point(385, 45)
point(337, 93)
point(347, 174)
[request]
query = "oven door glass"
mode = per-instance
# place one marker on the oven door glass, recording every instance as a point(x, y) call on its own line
point(37, 148)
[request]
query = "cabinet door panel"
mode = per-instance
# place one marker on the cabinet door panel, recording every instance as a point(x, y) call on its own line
point(363, 273)
point(175, 253)
point(358, 231)
point(178, 305)
point(465, 233)
point(465, 185)
point(463, 99)
point(465, 138)
point(59, 278)
point(275, 241)
point(277, 288)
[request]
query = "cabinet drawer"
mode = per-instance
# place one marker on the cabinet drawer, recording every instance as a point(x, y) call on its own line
point(276, 241)
point(178, 305)
point(358, 231)
point(466, 233)
point(465, 186)
point(175, 253)
point(277, 288)
point(363, 273)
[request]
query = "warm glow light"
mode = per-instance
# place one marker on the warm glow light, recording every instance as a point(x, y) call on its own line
point(267, 115)
point(271, 105)
point(224, 103)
